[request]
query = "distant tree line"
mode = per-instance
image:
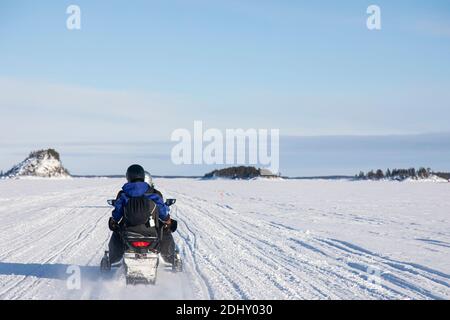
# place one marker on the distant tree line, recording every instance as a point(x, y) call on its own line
point(443, 175)
point(395, 174)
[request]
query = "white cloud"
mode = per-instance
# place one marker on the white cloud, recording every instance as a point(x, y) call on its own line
point(32, 110)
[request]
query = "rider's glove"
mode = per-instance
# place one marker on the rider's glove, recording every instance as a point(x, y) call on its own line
point(167, 222)
point(173, 225)
point(113, 225)
point(170, 224)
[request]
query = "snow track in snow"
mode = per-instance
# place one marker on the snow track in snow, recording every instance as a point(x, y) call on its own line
point(239, 240)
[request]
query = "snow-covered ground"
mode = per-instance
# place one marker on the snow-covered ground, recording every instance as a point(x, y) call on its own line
point(259, 239)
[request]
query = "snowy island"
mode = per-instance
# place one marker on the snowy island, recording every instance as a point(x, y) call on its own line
point(242, 172)
point(41, 163)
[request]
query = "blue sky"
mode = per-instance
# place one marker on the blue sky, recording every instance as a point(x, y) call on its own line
point(138, 70)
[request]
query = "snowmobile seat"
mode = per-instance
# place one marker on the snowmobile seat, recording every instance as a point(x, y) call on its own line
point(139, 231)
point(130, 235)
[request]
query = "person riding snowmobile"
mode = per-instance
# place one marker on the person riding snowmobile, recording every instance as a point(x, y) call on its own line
point(139, 183)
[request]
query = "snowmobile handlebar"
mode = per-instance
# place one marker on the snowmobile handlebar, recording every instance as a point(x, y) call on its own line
point(169, 202)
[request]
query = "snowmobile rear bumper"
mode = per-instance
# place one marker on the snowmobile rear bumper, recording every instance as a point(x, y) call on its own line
point(141, 268)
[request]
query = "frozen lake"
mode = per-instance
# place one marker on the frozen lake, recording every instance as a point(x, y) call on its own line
point(289, 239)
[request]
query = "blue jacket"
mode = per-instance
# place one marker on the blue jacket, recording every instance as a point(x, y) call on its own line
point(137, 189)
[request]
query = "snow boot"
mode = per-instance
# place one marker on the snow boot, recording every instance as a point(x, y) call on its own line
point(105, 264)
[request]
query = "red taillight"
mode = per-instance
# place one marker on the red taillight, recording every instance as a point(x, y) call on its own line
point(140, 244)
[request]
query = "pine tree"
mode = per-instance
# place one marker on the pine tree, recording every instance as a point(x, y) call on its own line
point(423, 173)
point(411, 173)
point(379, 175)
point(388, 173)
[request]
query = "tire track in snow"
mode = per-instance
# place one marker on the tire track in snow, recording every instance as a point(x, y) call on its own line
point(264, 265)
point(341, 270)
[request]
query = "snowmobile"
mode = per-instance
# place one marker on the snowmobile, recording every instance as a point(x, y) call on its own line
point(141, 254)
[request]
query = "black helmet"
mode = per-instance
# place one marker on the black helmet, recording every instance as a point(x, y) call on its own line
point(135, 173)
